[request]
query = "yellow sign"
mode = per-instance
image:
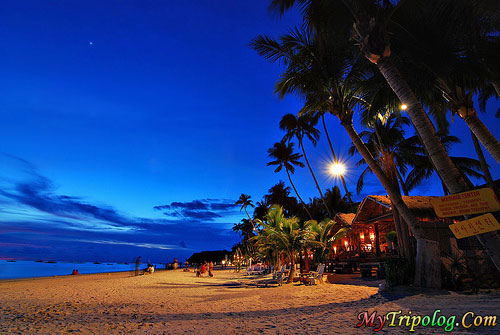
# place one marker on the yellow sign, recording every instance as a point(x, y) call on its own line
point(466, 203)
point(478, 225)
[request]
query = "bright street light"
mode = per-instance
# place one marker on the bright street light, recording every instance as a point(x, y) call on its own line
point(337, 169)
point(404, 106)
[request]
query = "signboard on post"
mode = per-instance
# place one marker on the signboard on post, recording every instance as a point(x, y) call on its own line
point(466, 203)
point(478, 225)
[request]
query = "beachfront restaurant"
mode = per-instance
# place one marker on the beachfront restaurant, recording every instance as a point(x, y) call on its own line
point(372, 235)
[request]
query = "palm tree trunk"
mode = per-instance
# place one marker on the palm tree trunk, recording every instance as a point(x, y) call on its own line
point(314, 177)
point(484, 135)
point(402, 182)
point(496, 87)
point(443, 165)
point(403, 226)
point(292, 269)
point(403, 234)
point(336, 161)
point(300, 198)
point(406, 245)
point(424, 274)
point(484, 165)
point(445, 190)
point(377, 170)
point(251, 221)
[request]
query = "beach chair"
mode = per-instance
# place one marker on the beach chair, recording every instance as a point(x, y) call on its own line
point(315, 276)
point(256, 270)
point(277, 278)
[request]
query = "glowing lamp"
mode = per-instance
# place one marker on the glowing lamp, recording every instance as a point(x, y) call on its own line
point(362, 237)
point(404, 106)
point(334, 250)
point(372, 237)
point(337, 169)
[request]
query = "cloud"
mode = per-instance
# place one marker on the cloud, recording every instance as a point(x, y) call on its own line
point(198, 210)
point(35, 218)
point(38, 194)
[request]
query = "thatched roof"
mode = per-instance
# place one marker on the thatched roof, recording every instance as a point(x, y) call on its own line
point(344, 219)
point(374, 206)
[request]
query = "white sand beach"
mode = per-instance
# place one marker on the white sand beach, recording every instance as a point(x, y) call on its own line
point(176, 302)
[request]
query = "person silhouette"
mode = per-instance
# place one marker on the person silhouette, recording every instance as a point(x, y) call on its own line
point(137, 265)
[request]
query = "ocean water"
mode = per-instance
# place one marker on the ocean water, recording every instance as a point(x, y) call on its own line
point(30, 269)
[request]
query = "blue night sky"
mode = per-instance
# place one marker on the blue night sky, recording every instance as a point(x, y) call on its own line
point(109, 109)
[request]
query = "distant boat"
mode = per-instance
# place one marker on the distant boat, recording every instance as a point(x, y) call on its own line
point(39, 261)
point(51, 262)
point(11, 260)
point(97, 263)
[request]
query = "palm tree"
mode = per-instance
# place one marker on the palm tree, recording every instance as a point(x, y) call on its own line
point(461, 61)
point(370, 21)
point(322, 237)
point(261, 209)
point(300, 127)
point(460, 102)
point(328, 81)
point(331, 87)
point(387, 143)
point(287, 235)
point(284, 156)
point(423, 169)
point(454, 50)
point(337, 203)
point(245, 201)
point(279, 194)
point(245, 229)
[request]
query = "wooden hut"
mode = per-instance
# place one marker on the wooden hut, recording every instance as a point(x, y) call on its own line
point(376, 215)
point(343, 220)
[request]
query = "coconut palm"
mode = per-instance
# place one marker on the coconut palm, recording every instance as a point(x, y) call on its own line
point(279, 194)
point(453, 50)
point(245, 201)
point(322, 237)
point(328, 82)
point(326, 79)
point(300, 127)
point(423, 169)
point(287, 235)
point(371, 22)
point(337, 203)
point(261, 209)
point(458, 55)
point(387, 143)
point(245, 228)
point(284, 157)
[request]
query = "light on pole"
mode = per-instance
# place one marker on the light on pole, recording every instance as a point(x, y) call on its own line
point(337, 169)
